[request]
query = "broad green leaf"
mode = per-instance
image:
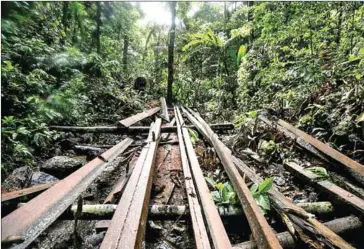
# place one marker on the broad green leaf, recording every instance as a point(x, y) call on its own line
point(241, 54)
point(320, 171)
point(254, 188)
point(265, 186)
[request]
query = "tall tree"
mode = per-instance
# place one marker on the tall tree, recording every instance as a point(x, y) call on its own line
point(98, 25)
point(172, 34)
point(125, 54)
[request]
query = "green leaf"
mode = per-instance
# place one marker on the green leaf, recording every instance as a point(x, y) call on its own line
point(241, 54)
point(254, 188)
point(265, 186)
point(216, 196)
point(263, 201)
point(211, 182)
point(193, 135)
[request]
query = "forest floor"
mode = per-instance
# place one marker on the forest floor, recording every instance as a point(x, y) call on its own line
point(265, 158)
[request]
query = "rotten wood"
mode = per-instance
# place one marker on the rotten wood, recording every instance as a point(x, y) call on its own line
point(199, 229)
point(33, 218)
point(26, 191)
point(216, 228)
point(338, 194)
point(164, 109)
point(262, 232)
point(340, 226)
point(355, 169)
point(138, 117)
point(127, 227)
point(304, 223)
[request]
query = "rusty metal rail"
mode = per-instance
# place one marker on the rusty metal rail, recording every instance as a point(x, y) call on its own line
point(262, 232)
point(128, 224)
point(30, 220)
point(217, 231)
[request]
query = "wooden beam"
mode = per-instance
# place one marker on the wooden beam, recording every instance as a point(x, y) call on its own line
point(339, 194)
point(199, 229)
point(340, 225)
point(164, 109)
point(35, 216)
point(261, 230)
point(127, 227)
point(132, 129)
point(26, 191)
point(304, 223)
point(138, 117)
point(355, 169)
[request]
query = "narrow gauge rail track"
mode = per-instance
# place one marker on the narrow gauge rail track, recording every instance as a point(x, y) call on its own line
point(132, 191)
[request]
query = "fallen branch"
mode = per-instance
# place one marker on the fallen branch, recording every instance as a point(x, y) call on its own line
point(132, 130)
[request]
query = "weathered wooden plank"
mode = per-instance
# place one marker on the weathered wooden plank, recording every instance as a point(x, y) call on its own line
point(132, 129)
point(328, 187)
point(128, 224)
point(26, 191)
point(199, 229)
point(261, 230)
point(340, 225)
point(35, 216)
point(138, 117)
point(302, 221)
point(164, 109)
point(355, 169)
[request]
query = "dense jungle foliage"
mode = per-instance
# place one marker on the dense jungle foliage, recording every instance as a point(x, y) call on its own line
point(64, 63)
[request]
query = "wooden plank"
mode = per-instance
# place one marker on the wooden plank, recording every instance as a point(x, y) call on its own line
point(216, 228)
point(355, 169)
point(199, 229)
point(302, 221)
point(138, 117)
point(164, 109)
point(132, 129)
point(128, 223)
point(328, 187)
point(35, 216)
point(26, 191)
point(340, 225)
point(261, 230)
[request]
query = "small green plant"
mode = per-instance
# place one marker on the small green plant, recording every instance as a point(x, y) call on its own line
point(193, 136)
point(224, 194)
point(320, 171)
point(260, 194)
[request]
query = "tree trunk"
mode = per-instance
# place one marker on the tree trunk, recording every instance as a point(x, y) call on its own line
point(339, 22)
point(64, 21)
point(98, 25)
point(171, 53)
point(125, 54)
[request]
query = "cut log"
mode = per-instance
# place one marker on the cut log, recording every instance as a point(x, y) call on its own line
point(164, 109)
point(106, 211)
point(199, 229)
point(340, 226)
point(261, 230)
point(133, 129)
point(138, 117)
point(294, 216)
point(127, 227)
